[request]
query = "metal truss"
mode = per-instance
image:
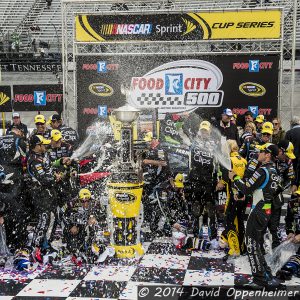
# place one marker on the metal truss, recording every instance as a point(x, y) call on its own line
point(285, 46)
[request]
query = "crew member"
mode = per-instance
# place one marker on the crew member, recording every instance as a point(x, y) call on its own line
point(69, 134)
point(43, 193)
point(264, 184)
point(41, 127)
point(203, 171)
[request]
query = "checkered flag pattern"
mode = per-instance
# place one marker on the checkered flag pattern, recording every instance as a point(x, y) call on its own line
point(151, 99)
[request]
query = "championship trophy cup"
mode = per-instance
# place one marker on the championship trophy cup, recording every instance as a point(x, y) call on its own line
point(125, 210)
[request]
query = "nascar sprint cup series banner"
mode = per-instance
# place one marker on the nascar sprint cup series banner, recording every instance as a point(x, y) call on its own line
point(177, 84)
point(244, 24)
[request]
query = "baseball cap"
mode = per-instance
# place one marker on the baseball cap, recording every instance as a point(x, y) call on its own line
point(205, 125)
point(273, 149)
point(38, 140)
point(55, 117)
point(228, 112)
point(16, 115)
point(56, 135)
point(267, 128)
point(179, 180)
point(39, 119)
point(260, 119)
point(288, 148)
point(84, 193)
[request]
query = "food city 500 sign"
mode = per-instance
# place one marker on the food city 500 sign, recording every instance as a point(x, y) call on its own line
point(177, 83)
point(179, 86)
point(244, 24)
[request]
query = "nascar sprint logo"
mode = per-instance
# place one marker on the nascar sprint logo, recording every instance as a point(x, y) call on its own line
point(179, 86)
point(125, 197)
point(252, 89)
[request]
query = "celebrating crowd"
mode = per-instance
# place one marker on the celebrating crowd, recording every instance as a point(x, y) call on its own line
point(40, 190)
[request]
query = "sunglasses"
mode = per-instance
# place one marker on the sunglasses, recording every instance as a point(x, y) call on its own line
point(275, 123)
point(268, 134)
point(39, 124)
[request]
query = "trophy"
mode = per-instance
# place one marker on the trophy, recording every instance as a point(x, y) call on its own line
point(125, 188)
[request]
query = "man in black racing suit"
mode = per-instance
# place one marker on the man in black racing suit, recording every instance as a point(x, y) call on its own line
point(264, 184)
point(203, 180)
point(43, 193)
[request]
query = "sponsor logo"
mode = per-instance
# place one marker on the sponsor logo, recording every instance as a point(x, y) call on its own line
point(261, 111)
point(130, 251)
point(227, 25)
point(125, 29)
point(100, 67)
point(252, 89)
point(174, 84)
point(125, 197)
point(90, 111)
point(3, 98)
point(179, 86)
point(101, 89)
point(253, 65)
point(30, 97)
point(254, 110)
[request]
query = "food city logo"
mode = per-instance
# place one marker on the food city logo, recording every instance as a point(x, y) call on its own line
point(101, 89)
point(179, 86)
point(30, 98)
point(3, 98)
point(252, 89)
point(253, 66)
point(100, 67)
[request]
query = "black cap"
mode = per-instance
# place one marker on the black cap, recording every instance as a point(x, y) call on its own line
point(283, 144)
point(37, 140)
point(273, 149)
point(55, 117)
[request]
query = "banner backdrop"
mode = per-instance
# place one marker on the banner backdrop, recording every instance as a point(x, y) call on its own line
point(5, 98)
point(244, 24)
point(177, 84)
point(23, 98)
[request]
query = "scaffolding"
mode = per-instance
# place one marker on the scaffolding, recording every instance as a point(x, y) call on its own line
point(285, 46)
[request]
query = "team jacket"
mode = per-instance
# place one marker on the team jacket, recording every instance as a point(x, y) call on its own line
point(292, 218)
point(12, 149)
point(56, 153)
point(46, 134)
point(203, 165)
point(69, 135)
point(264, 184)
point(75, 214)
point(248, 148)
point(40, 170)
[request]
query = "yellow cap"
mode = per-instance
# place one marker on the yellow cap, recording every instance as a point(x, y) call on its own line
point(290, 151)
point(267, 128)
point(148, 136)
point(84, 194)
point(263, 147)
point(39, 119)
point(179, 180)
point(260, 119)
point(205, 125)
point(56, 135)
